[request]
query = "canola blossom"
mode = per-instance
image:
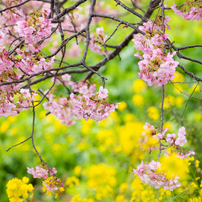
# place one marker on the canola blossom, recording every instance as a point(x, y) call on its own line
point(17, 188)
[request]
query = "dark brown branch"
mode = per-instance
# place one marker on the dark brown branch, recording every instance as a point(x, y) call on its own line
point(52, 8)
point(186, 47)
point(118, 20)
point(64, 43)
point(19, 143)
point(58, 74)
point(88, 30)
point(190, 73)
point(131, 10)
point(104, 44)
point(67, 10)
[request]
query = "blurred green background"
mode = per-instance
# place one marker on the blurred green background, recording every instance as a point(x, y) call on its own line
point(95, 159)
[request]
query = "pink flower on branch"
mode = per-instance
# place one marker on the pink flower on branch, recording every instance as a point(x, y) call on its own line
point(192, 13)
point(83, 103)
point(156, 67)
point(41, 172)
point(161, 174)
point(103, 92)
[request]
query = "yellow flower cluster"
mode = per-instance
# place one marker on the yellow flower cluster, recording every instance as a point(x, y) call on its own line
point(172, 165)
point(129, 136)
point(72, 181)
point(153, 113)
point(100, 174)
point(144, 193)
point(77, 198)
point(52, 183)
point(17, 189)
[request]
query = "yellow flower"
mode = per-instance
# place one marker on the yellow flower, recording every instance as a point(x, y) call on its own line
point(76, 198)
point(168, 125)
point(120, 198)
point(72, 181)
point(179, 77)
point(168, 101)
point(4, 126)
point(122, 106)
point(139, 85)
point(77, 170)
point(172, 165)
point(129, 136)
point(197, 163)
point(153, 113)
point(123, 187)
point(100, 175)
point(138, 100)
point(130, 117)
point(17, 188)
point(179, 101)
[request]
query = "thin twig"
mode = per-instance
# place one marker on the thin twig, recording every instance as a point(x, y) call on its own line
point(189, 100)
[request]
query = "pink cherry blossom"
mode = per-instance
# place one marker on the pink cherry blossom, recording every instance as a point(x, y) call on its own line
point(195, 13)
point(103, 92)
point(25, 93)
point(38, 173)
point(156, 67)
point(171, 138)
point(86, 104)
point(148, 174)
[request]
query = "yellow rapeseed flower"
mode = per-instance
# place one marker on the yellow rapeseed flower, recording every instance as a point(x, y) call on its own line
point(122, 106)
point(72, 181)
point(178, 77)
point(129, 136)
point(168, 125)
point(197, 163)
point(153, 113)
point(17, 188)
point(120, 198)
point(172, 165)
point(123, 187)
point(77, 170)
point(96, 173)
point(139, 85)
point(179, 101)
point(138, 100)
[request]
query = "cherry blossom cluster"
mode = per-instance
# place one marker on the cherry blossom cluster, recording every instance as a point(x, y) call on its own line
point(151, 139)
point(149, 175)
point(189, 11)
point(96, 40)
point(13, 100)
point(40, 172)
point(82, 103)
point(156, 66)
point(51, 183)
point(31, 30)
point(152, 173)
